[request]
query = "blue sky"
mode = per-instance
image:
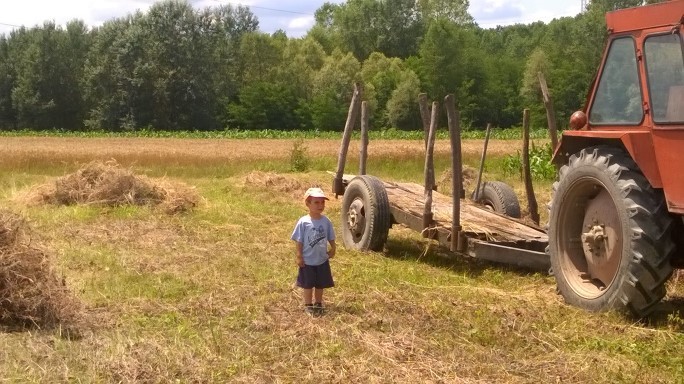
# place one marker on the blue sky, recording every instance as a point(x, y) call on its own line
point(293, 16)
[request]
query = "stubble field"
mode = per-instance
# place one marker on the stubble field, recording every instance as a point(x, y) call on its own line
point(208, 296)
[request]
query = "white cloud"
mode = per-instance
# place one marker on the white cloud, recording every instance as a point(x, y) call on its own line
point(305, 22)
point(490, 13)
point(30, 13)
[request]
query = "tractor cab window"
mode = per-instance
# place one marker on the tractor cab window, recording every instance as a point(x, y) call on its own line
point(618, 98)
point(665, 71)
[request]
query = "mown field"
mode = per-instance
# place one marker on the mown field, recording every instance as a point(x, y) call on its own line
point(208, 295)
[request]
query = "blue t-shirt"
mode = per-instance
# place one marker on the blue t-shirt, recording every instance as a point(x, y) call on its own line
point(314, 235)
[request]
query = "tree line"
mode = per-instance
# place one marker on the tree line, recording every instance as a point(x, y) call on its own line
point(175, 67)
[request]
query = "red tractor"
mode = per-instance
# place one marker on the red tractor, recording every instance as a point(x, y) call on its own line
point(616, 229)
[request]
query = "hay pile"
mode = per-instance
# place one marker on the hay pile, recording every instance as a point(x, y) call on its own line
point(468, 178)
point(274, 182)
point(31, 295)
point(109, 184)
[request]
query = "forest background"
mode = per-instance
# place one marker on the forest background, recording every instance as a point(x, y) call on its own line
point(179, 68)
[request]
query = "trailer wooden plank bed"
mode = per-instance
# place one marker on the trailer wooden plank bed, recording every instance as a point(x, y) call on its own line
point(370, 206)
point(488, 235)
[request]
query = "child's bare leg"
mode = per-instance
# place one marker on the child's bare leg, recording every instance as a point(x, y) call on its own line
point(318, 295)
point(307, 296)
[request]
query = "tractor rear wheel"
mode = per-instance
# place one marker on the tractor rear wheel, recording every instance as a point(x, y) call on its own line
point(609, 234)
point(366, 217)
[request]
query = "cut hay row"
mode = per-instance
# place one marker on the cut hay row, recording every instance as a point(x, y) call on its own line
point(109, 184)
point(31, 294)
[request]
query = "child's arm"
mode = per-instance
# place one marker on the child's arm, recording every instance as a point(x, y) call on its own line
point(300, 254)
point(333, 248)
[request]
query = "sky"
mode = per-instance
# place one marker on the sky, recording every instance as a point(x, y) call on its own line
point(295, 17)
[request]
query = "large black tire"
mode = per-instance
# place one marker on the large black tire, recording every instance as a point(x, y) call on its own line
point(499, 197)
point(366, 215)
point(609, 234)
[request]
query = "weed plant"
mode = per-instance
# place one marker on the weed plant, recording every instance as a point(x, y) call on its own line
point(299, 159)
point(541, 167)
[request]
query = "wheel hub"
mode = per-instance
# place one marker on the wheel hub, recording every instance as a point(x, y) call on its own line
point(594, 240)
point(356, 220)
point(600, 242)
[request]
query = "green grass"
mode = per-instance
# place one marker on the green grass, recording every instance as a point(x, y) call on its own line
point(208, 296)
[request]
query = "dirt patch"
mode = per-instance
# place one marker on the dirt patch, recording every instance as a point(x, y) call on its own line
point(31, 293)
point(109, 184)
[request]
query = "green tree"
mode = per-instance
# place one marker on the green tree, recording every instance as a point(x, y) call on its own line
point(324, 31)
point(303, 58)
point(172, 68)
point(455, 11)
point(530, 91)
point(224, 27)
point(113, 91)
point(382, 76)
point(402, 108)
point(265, 105)
point(392, 27)
point(356, 23)
point(8, 115)
point(450, 63)
point(182, 80)
point(332, 91)
point(46, 92)
point(259, 56)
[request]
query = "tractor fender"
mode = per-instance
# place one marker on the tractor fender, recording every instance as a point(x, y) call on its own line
point(639, 145)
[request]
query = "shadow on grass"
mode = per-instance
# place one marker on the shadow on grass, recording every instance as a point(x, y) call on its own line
point(440, 256)
point(669, 313)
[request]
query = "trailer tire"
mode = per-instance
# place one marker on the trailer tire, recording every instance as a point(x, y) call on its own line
point(366, 217)
point(499, 197)
point(622, 261)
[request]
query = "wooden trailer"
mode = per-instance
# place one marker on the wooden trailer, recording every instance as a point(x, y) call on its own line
point(370, 206)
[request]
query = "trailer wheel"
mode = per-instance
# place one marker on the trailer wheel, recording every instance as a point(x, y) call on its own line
point(365, 214)
point(499, 197)
point(609, 234)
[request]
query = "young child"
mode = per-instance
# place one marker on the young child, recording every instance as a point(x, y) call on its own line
point(312, 234)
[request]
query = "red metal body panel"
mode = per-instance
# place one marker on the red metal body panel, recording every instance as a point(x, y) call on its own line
point(639, 144)
point(652, 16)
point(669, 152)
point(658, 150)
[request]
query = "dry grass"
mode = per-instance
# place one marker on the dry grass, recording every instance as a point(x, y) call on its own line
point(209, 297)
point(34, 151)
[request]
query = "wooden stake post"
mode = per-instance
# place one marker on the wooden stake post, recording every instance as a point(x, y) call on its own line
point(430, 172)
point(338, 184)
point(424, 115)
point(363, 156)
point(458, 242)
point(482, 161)
point(527, 174)
point(550, 111)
